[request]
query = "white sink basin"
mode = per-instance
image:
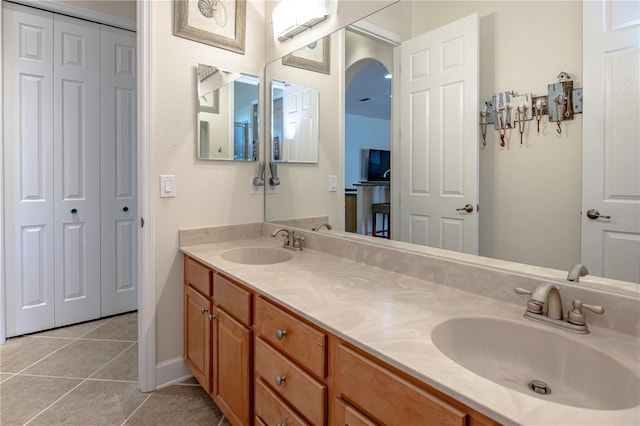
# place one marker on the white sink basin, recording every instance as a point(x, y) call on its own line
point(513, 354)
point(256, 255)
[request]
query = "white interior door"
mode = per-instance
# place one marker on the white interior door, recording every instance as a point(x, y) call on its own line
point(438, 127)
point(28, 164)
point(611, 129)
point(301, 128)
point(76, 105)
point(119, 165)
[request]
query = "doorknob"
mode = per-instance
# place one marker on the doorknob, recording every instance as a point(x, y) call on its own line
point(125, 209)
point(74, 211)
point(595, 214)
point(468, 208)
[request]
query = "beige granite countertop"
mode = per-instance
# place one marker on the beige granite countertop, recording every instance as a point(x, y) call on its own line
point(391, 315)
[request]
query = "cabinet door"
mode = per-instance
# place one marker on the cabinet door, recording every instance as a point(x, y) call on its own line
point(233, 354)
point(348, 416)
point(197, 336)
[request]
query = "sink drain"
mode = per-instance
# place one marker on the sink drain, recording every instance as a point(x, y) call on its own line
point(538, 386)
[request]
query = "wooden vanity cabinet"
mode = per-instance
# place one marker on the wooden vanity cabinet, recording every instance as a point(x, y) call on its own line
point(290, 364)
point(367, 393)
point(233, 352)
point(197, 322)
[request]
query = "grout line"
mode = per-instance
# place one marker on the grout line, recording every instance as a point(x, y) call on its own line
point(112, 359)
point(221, 421)
point(136, 410)
point(54, 402)
point(84, 379)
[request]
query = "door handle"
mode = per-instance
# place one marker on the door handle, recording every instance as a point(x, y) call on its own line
point(125, 209)
point(595, 214)
point(468, 208)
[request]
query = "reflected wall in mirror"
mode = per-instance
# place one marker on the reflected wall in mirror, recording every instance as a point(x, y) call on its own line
point(228, 115)
point(531, 193)
point(294, 123)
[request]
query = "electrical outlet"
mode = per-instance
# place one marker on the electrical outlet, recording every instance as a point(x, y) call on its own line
point(253, 190)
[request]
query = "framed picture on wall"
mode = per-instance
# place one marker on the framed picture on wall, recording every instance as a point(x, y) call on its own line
point(219, 23)
point(312, 57)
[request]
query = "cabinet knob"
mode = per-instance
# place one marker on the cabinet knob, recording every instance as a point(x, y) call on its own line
point(203, 310)
point(280, 334)
point(281, 424)
point(280, 380)
point(211, 317)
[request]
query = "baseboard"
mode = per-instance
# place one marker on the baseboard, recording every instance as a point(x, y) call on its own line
point(171, 372)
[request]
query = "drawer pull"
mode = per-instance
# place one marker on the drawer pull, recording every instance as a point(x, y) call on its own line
point(280, 380)
point(203, 310)
point(211, 317)
point(281, 424)
point(280, 334)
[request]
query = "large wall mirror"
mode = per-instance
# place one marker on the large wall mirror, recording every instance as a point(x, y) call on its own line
point(227, 115)
point(530, 194)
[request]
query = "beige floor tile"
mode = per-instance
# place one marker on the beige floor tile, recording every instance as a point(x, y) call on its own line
point(19, 353)
point(23, 397)
point(177, 405)
point(123, 367)
point(79, 359)
point(94, 403)
point(121, 327)
point(74, 331)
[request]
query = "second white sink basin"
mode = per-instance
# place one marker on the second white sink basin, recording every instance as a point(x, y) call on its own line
point(256, 255)
point(513, 354)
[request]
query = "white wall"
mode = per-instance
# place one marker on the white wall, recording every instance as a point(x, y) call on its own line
point(208, 192)
point(125, 9)
point(530, 194)
point(303, 191)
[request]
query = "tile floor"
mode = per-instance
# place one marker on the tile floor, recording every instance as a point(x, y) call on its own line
point(87, 375)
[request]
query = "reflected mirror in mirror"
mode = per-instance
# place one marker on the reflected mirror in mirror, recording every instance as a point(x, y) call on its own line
point(294, 123)
point(228, 115)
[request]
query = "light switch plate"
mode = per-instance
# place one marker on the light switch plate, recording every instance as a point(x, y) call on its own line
point(167, 186)
point(333, 183)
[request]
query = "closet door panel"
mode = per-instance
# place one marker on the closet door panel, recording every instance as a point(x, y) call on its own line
point(119, 178)
point(76, 104)
point(28, 168)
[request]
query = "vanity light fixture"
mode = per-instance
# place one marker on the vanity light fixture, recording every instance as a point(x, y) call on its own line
point(291, 17)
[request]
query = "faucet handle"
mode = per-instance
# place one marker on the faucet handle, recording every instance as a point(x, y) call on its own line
point(576, 316)
point(521, 290)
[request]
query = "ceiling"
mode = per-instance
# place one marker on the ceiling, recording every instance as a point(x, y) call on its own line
point(369, 93)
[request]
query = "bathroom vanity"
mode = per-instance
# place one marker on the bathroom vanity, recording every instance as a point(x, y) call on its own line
point(348, 332)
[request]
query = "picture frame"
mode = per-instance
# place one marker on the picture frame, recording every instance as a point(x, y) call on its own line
point(218, 23)
point(312, 57)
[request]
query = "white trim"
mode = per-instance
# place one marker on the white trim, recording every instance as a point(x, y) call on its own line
point(3, 323)
point(171, 372)
point(80, 12)
point(376, 32)
point(147, 291)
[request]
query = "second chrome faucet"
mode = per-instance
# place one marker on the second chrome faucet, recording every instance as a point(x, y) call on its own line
point(545, 306)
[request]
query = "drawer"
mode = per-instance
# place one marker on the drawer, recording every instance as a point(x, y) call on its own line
point(348, 416)
point(304, 343)
point(386, 396)
point(235, 300)
point(299, 388)
point(198, 276)
point(272, 410)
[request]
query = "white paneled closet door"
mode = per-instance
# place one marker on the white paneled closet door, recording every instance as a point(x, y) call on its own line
point(76, 106)
point(118, 156)
point(28, 163)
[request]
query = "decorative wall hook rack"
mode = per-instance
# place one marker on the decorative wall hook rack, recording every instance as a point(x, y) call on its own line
point(508, 108)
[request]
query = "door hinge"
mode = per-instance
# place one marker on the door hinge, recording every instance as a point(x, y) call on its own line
point(142, 222)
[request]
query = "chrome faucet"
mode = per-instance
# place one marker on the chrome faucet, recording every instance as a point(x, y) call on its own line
point(545, 306)
point(322, 225)
point(386, 173)
point(578, 270)
point(291, 240)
